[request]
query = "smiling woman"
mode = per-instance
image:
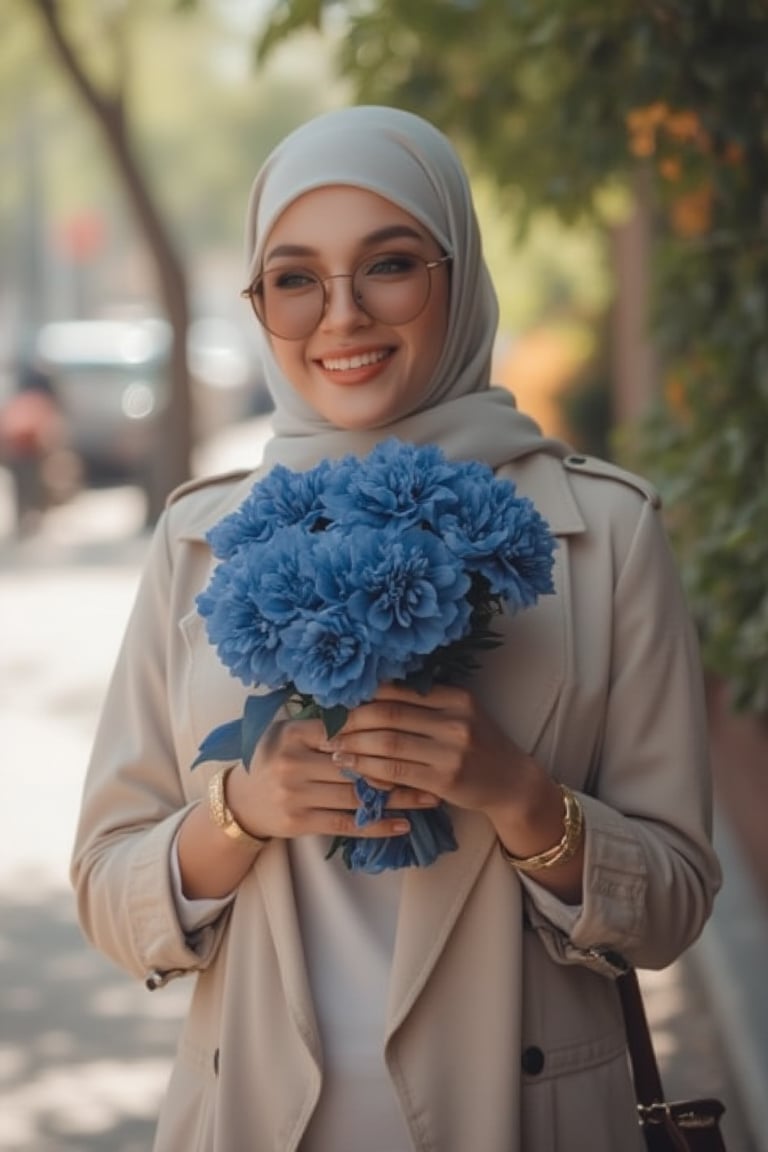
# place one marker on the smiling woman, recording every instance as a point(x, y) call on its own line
point(462, 999)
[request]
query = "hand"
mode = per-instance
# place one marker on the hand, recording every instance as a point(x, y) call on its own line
point(443, 743)
point(294, 787)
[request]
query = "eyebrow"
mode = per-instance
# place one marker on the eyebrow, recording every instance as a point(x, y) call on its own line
point(390, 232)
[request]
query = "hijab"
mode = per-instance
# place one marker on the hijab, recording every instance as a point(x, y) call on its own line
point(406, 160)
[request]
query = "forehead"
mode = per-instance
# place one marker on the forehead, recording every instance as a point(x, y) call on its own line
point(337, 213)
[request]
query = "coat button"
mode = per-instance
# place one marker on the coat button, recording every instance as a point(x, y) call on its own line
point(533, 1060)
point(216, 1062)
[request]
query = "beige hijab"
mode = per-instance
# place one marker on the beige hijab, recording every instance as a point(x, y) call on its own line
point(406, 160)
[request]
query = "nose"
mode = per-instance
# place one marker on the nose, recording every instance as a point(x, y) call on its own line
point(342, 309)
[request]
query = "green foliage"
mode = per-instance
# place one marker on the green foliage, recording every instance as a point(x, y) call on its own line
point(707, 447)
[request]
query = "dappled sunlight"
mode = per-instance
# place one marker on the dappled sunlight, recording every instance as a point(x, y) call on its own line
point(690, 1062)
point(74, 1099)
point(85, 1050)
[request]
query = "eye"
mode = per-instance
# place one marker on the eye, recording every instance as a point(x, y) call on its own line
point(390, 264)
point(290, 280)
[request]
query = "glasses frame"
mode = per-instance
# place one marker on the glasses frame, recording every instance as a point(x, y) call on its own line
point(252, 291)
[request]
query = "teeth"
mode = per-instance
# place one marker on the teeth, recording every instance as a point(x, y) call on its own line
point(344, 363)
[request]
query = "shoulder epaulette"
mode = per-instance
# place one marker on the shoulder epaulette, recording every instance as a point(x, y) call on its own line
point(205, 482)
point(593, 466)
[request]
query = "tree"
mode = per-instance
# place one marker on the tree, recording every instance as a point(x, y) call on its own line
point(107, 102)
point(561, 102)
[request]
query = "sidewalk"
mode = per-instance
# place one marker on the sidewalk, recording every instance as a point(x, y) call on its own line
point(731, 962)
point(84, 1051)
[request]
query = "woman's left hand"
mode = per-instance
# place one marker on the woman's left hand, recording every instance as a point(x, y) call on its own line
point(446, 744)
point(443, 743)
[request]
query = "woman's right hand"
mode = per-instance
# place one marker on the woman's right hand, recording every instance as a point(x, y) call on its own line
point(294, 788)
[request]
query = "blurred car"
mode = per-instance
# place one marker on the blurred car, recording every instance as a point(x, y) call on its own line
point(111, 380)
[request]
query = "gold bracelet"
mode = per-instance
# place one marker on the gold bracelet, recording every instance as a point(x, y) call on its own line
point(222, 815)
point(565, 849)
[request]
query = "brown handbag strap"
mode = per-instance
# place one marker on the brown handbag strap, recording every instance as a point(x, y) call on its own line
point(645, 1070)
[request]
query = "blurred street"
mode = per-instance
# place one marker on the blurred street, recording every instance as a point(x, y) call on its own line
point(84, 1051)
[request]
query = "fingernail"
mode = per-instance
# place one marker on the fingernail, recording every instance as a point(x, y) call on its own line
point(399, 827)
point(426, 798)
point(343, 759)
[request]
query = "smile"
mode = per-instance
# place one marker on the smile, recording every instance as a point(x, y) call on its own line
point(363, 360)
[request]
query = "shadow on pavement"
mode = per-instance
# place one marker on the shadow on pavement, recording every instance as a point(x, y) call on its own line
point(85, 1050)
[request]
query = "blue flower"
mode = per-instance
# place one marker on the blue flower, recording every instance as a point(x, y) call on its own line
point(397, 483)
point(329, 656)
point(409, 592)
point(245, 639)
point(281, 499)
point(250, 599)
point(504, 538)
point(283, 574)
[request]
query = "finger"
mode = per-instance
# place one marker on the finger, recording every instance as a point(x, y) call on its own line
point(439, 695)
point(343, 797)
point(395, 753)
point(383, 716)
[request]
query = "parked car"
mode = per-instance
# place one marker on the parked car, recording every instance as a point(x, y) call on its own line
point(111, 380)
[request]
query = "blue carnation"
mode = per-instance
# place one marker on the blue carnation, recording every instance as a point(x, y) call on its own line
point(504, 538)
point(410, 593)
point(396, 484)
point(329, 656)
point(283, 574)
point(246, 641)
point(283, 498)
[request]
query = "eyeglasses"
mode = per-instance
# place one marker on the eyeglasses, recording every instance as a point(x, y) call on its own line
point(391, 287)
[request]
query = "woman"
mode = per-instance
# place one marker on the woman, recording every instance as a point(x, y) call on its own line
point(469, 1004)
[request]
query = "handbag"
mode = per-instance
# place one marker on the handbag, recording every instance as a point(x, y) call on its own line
point(682, 1126)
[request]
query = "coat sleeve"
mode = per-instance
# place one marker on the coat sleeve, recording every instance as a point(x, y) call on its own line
point(133, 801)
point(650, 873)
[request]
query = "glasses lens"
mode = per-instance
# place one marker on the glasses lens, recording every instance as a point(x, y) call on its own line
point(392, 287)
point(289, 302)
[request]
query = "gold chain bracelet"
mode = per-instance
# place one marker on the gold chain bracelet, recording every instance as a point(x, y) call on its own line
point(565, 849)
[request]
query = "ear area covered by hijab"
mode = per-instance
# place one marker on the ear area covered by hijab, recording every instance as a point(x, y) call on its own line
point(406, 160)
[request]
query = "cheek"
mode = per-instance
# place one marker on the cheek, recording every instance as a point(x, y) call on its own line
point(286, 356)
point(433, 334)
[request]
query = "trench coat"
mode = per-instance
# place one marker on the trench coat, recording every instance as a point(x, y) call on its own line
point(504, 1030)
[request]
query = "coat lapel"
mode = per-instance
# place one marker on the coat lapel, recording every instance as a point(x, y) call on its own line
point(274, 875)
point(430, 905)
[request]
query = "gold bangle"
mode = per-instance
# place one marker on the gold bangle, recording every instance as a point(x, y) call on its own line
point(222, 815)
point(565, 849)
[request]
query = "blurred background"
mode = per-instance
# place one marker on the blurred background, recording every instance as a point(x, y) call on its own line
point(618, 154)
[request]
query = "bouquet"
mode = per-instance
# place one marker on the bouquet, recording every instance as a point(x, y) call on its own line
point(361, 571)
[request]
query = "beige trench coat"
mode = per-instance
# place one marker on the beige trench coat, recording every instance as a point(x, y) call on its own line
point(504, 1031)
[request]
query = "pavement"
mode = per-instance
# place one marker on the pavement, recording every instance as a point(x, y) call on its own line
point(85, 1052)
